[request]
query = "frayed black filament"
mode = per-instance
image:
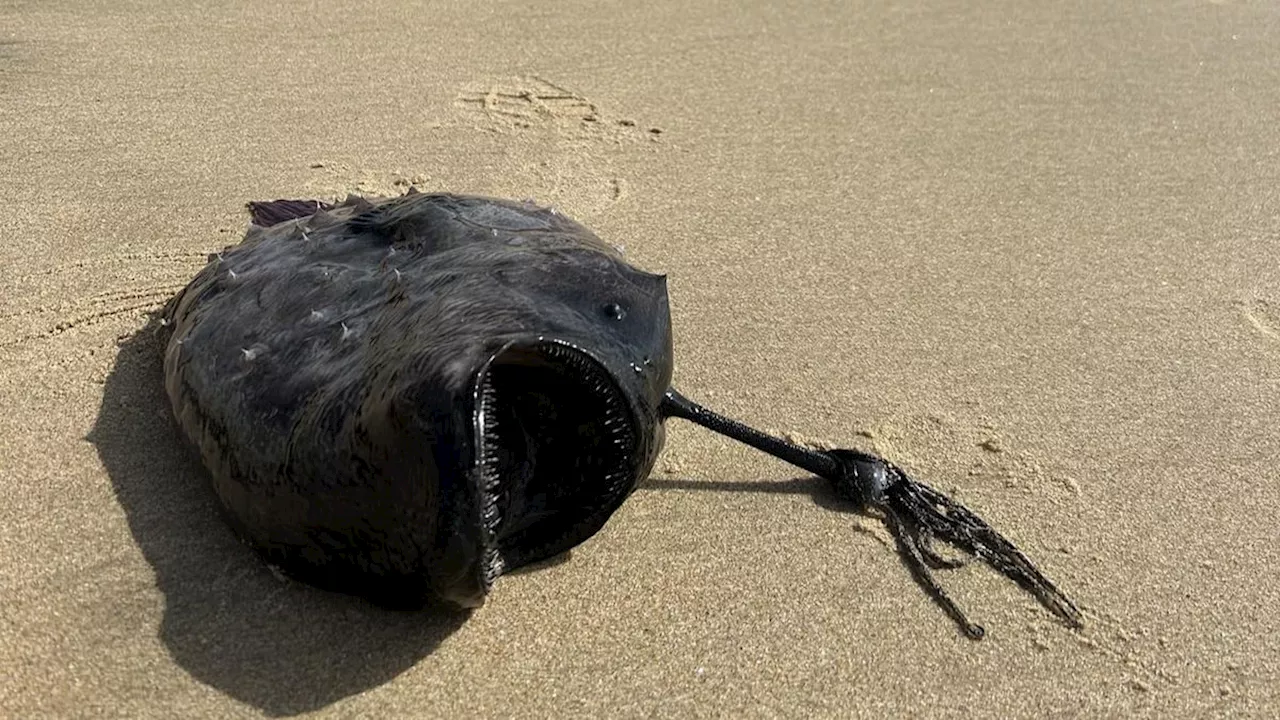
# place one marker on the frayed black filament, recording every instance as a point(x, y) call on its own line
point(917, 514)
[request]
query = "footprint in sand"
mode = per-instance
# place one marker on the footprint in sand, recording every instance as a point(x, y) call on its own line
point(562, 149)
point(532, 102)
point(568, 151)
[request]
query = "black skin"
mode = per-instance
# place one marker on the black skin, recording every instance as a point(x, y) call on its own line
point(404, 398)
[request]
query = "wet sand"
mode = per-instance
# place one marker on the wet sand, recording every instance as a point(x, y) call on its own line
point(1027, 251)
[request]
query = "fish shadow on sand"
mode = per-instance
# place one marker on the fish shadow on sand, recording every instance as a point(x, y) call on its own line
point(279, 646)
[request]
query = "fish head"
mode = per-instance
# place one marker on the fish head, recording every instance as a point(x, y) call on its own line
point(564, 416)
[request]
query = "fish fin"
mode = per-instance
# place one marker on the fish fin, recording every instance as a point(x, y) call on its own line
point(401, 219)
point(356, 204)
point(430, 222)
point(274, 212)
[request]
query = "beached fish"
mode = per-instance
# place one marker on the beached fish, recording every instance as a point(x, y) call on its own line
point(405, 398)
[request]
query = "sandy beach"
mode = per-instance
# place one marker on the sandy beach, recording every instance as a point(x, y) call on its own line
point(1029, 251)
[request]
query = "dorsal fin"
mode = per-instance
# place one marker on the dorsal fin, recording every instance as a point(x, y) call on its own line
point(274, 212)
point(397, 219)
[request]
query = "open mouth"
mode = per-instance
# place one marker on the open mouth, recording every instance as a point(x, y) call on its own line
point(556, 448)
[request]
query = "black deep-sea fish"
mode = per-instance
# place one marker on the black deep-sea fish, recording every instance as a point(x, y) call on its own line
point(404, 398)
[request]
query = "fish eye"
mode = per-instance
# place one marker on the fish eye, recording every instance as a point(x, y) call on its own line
point(614, 311)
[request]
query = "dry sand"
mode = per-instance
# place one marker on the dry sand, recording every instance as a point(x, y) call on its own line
point(1030, 248)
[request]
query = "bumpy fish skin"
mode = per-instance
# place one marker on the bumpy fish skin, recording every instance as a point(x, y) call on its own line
point(325, 368)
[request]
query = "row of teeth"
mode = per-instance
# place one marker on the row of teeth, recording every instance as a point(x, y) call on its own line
point(615, 423)
point(490, 515)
